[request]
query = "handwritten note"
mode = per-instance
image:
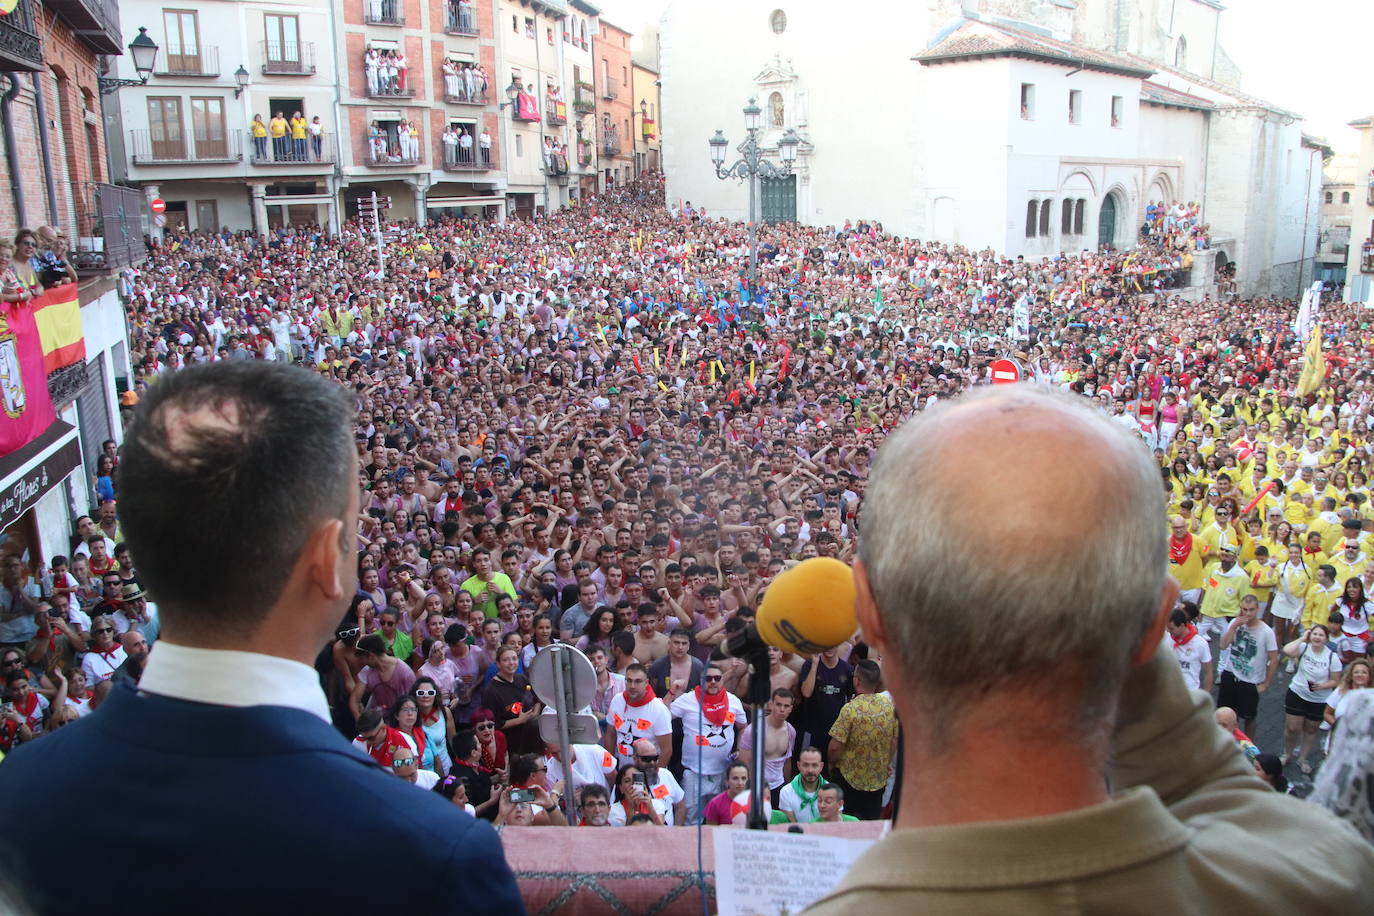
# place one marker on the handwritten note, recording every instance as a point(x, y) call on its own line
point(761, 873)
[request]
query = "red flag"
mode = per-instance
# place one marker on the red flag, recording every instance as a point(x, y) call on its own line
point(25, 406)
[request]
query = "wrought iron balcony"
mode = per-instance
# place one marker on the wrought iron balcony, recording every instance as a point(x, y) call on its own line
point(202, 61)
point(610, 140)
point(166, 147)
point(388, 92)
point(20, 47)
point(384, 12)
point(1367, 257)
point(109, 223)
point(95, 22)
point(457, 159)
point(478, 97)
point(460, 20)
point(284, 151)
point(584, 99)
point(388, 154)
point(555, 112)
point(288, 58)
point(609, 89)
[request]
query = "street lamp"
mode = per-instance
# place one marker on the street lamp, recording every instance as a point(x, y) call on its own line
point(242, 78)
point(512, 94)
point(751, 167)
point(143, 50)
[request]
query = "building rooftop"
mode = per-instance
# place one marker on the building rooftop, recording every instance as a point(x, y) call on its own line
point(1155, 94)
point(974, 39)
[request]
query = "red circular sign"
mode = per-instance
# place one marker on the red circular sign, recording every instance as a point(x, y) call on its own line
point(1005, 372)
point(158, 205)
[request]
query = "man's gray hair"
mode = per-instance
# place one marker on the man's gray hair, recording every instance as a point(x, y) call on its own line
point(965, 621)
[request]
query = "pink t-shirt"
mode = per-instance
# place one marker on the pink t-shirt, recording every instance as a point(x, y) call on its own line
point(718, 810)
point(384, 693)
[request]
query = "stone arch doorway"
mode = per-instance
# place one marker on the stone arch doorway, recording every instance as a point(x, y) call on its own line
point(1106, 222)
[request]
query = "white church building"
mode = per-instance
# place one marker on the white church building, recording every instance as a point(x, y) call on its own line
point(1029, 127)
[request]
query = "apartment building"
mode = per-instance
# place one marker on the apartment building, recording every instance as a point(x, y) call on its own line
point(615, 148)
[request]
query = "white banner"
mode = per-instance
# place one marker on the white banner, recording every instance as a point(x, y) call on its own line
point(1309, 311)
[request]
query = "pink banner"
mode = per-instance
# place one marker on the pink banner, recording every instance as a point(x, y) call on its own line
point(526, 107)
point(25, 406)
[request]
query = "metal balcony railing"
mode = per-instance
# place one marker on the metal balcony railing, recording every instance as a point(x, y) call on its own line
point(390, 92)
point(1367, 257)
point(556, 164)
point(584, 99)
point(202, 61)
point(478, 97)
point(388, 153)
point(457, 159)
point(384, 12)
point(109, 224)
point(609, 90)
point(460, 19)
point(610, 140)
point(95, 22)
point(555, 112)
point(288, 58)
point(165, 147)
point(20, 47)
point(286, 151)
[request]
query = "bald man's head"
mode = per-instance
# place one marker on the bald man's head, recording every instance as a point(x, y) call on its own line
point(1011, 540)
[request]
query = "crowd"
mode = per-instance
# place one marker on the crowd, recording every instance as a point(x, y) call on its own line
point(595, 428)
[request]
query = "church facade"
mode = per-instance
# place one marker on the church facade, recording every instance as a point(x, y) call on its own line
point(1029, 127)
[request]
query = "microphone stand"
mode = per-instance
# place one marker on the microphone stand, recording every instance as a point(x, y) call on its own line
point(759, 694)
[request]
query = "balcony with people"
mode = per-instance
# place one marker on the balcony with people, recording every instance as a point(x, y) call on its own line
point(460, 18)
point(392, 144)
point(387, 72)
point(555, 108)
point(1367, 257)
point(109, 228)
point(384, 12)
point(466, 150)
point(465, 82)
point(296, 142)
point(610, 140)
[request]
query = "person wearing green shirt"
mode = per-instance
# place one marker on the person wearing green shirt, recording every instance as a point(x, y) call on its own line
point(400, 644)
point(830, 802)
point(486, 586)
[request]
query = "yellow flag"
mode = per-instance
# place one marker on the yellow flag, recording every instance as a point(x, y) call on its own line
point(1313, 364)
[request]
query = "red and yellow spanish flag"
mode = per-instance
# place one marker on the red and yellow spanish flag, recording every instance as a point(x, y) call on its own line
point(25, 407)
point(57, 312)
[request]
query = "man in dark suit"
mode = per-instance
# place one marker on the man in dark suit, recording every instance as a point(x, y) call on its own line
point(219, 784)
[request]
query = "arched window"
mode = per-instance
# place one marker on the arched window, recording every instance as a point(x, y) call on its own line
point(1078, 215)
point(1032, 215)
point(1345, 197)
point(1045, 217)
point(1066, 218)
point(1181, 53)
point(1329, 197)
point(778, 21)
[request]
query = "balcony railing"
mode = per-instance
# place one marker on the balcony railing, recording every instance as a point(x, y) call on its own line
point(20, 47)
point(610, 141)
point(389, 154)
point(585, 152)
point(555, 112)
point(556, 164)
point(390, 92)
point(109, 225)
point(584, 99)
point(1370, 198)
point(384, 12)
point(95, 22)
point(286, 151)
point(202, 61)
point(609, 90)
point(1367, 257)
point(163, 147)
point(457, 159)
point(288, 58)
point(460, 20)
point(478, 97)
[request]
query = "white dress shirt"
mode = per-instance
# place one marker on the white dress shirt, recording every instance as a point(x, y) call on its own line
point(229, 678)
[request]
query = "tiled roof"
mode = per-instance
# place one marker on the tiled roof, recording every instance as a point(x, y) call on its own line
point(1163, 95)
point(1242, 99)
point(974, 39)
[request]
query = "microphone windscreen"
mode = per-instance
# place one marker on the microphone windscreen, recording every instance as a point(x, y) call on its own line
point(809, 608)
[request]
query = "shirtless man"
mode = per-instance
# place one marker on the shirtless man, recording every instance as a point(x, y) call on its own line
point(778, 738)
point(678, 671)
point(650, 644)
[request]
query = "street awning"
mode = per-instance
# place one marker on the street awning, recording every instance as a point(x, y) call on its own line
point(32, 470)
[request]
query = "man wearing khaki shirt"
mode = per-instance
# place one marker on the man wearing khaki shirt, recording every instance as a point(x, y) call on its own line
point(1054, 760)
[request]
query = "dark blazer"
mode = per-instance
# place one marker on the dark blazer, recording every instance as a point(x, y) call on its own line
point(195, 808)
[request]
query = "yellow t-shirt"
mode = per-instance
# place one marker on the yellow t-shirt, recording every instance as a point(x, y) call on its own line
point(259, 129)
point(1263, 578)
point(1222, 591)
point(1318, 604)
point(1188, 574)
point(278, 127)
point(298, 128)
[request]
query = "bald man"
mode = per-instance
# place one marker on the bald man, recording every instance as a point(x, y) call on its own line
point(1027, 675)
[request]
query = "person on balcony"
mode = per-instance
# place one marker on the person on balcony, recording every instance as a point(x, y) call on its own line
point(449, 139)
point(464, 146)
point(372, 67)
point(316, 130)
point(259, 131)
point(278, 129)
point(469, 81)
point(451, 84)
point(485, 143)
point(401, 67)
point(413, 151)
point(298, 125)
point(377, 140)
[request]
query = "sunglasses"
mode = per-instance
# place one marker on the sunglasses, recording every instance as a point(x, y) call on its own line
point(426, 693)
point(103, 630)
point(651, 759)
point(486, 726)
point(349, 633)
point(713, 677)
point(403, 762)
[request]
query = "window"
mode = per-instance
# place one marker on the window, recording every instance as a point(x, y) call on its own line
point(519, 146)
point(183, 41)
point(1328, 196)
point(1027, 101)
point(207, 126)
point(1078, 210)
point(283, 38)
point(1066, 218)
point(529, 27)
point(1181, 53)
point(1075, 106)
point(1032, 212)
point(549, 30)
point(1345, 197)
point(515, 24)
point(1116, 111)
point(164, 128)
point(778, 22)
point(1045, 217)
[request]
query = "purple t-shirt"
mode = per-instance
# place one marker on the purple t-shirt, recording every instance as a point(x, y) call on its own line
point(387, 692)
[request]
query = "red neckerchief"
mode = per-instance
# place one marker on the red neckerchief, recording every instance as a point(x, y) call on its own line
point(28, 710)
point(1180, 643)
point(106, 653)
point(648, 695)
point(1179, 550)
point(715, 706)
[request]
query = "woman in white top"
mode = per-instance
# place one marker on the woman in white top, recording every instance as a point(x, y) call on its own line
point(370, 67)
point(1357, 676)
point(403, 133)
point(1291, 592)
point(1304, 705)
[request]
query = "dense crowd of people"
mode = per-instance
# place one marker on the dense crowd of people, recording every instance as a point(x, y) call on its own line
point(597, 428)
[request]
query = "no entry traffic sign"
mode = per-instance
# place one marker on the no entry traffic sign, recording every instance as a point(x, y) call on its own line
point(1005, 372)
point(158, 205)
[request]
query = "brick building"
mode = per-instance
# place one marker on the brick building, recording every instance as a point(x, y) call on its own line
point(55, 172)
point(614, 122)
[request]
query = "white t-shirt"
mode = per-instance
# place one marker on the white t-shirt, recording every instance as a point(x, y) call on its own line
point(651, 720)
point(706, 747)
point(1248, 657)
point(426, 779)
point(98, 667)
point(1192, 656)
point(663, 795)
point(592, 765)
point(1318, 669)
point(789, 802)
